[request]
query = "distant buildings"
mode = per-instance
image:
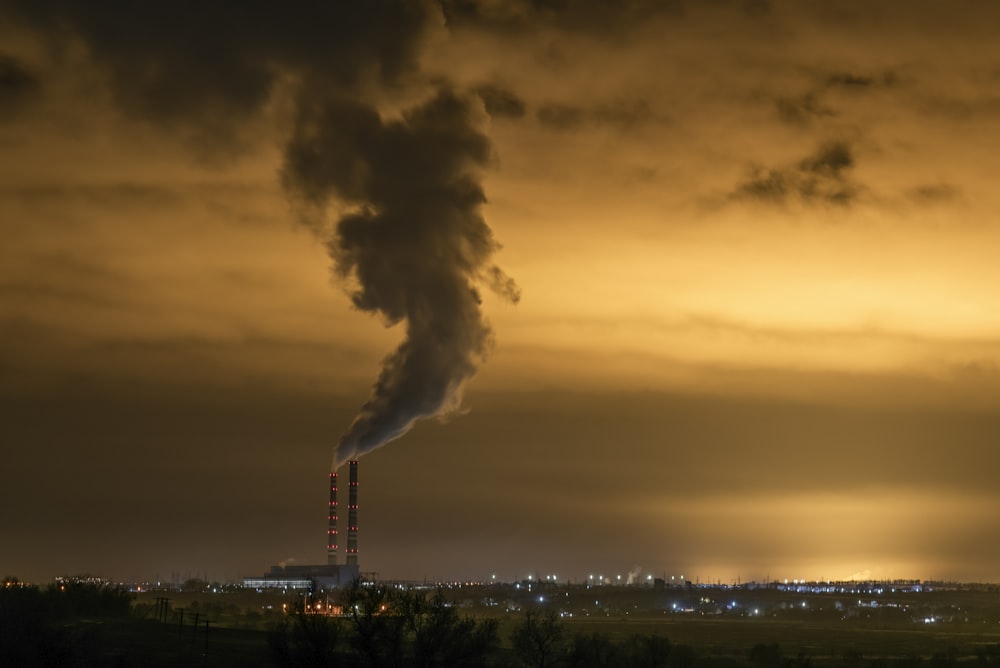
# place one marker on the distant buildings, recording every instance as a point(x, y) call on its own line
point(305, 577)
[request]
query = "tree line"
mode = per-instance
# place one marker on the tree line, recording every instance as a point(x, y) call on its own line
point(41, 626)
point(393, 628)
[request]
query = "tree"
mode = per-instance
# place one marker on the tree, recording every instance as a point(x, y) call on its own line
point(538, 639)
point(41, 628)
point(84, 599)
point(443, 638)
point(393, 627)
point(306, 641)
point(376, 622)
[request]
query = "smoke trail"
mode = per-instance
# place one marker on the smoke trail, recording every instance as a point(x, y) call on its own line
point(416, 245)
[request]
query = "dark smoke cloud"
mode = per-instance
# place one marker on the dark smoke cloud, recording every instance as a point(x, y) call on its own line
point(416, 244)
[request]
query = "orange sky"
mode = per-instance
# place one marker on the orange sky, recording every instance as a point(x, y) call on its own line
point(758, 331)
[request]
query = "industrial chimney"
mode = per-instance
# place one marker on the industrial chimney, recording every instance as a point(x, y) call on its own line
point(352, 516)
point(331, 537)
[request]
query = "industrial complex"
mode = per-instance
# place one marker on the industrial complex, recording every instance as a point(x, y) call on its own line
point(322, 577)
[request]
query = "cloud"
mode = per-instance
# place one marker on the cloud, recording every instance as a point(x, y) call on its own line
point(622, 115)
point(17, 84)
point(501, 102)
point(830, 160)
point(15, 76)
point(933, 193)
point(801, 110)
point(812, 105)
point(205, 70)
point(588, 16)
point(848, 80)
point(821, 177)
point(561, 116)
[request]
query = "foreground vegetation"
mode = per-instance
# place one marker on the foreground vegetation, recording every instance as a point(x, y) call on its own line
point(78, 624)
point(61, 625)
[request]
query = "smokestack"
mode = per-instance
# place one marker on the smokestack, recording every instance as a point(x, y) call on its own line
point(331, 537)
point(352, 516)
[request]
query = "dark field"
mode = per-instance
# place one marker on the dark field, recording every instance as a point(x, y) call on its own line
point(820, 641)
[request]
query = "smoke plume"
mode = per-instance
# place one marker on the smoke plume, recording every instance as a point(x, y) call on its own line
point(415, 245)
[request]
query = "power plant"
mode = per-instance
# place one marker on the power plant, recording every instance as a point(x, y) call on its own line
point(331, 574)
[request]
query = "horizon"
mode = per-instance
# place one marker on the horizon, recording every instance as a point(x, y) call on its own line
point(153, 583)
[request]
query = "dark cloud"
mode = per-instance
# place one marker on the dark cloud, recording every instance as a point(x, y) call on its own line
point(933, 193)
point(830, 161)
point(501, 102)
point(561, 116)
point(801, 110)
point(820, 177)
point(589, 16)
point(205, 68)
point(959, 109)
point(848, 80)
point(17, 84)
point(769, 185)
point(15, 76)
point(621, 115)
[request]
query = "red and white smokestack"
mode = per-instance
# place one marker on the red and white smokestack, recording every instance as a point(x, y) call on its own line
point(352, 516)
point(331, 533)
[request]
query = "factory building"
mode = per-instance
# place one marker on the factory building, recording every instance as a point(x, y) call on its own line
point(330, 575)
